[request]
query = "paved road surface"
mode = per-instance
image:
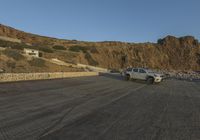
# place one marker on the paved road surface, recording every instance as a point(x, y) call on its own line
point(99, 108)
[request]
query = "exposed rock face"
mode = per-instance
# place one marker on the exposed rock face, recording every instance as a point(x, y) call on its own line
point(168, 53)
point(187, 41)
point(183, 52)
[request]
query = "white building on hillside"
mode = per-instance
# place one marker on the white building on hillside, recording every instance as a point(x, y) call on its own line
point(31, 52)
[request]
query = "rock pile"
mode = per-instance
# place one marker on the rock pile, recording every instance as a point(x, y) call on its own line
point(182, 75)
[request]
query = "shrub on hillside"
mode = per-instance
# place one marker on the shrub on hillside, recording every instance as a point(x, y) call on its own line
point(4, 43)
point(78, 48)
point(45, 49)
point(11, 64)
point(13, 45)
point(18, 47)
point(36, 62)
point(58, 47)
point(13, 54)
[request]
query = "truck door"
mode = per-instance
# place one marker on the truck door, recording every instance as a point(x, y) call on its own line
point(135, 74)
point(142, 74)
point(129, 71)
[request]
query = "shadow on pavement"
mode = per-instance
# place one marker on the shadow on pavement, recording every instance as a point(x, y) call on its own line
point(115, 76)
point(118, 76)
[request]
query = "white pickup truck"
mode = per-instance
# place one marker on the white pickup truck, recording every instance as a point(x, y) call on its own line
point(143, 74)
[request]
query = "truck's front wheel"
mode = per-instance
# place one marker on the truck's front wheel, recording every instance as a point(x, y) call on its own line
point(150, 80)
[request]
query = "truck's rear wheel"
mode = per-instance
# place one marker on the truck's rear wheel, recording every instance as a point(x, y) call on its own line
point(127, 77)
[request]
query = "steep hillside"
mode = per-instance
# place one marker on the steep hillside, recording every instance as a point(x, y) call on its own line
point(168, 53)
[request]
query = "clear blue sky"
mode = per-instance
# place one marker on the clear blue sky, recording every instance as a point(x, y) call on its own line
point(100, 20)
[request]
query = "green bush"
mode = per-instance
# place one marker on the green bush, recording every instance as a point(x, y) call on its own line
point(18, 47)
point(13, 54)
point(45, 49)
point(58, 47)
point(36, 62)
point(78, 49)
point(4, 43)
point(13, 45)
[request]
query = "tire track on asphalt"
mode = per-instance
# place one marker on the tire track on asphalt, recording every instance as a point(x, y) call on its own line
point(26, 130)
point(116, 122)
point(66, 113)
point(55, 123)
point(31, 88)
point(189, 94)
point(153, 122)
point(73, 119)
point(156, 134)
point(80, 87)
point(175, 95)
point(179, 95)
point(96, 92)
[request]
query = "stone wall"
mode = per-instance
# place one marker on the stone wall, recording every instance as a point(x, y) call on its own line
point(9, 77)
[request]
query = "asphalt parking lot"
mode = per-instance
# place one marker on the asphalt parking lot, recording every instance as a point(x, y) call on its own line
point(99, 108)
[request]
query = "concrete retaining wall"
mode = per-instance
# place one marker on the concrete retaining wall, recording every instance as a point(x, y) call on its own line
point(9, 77)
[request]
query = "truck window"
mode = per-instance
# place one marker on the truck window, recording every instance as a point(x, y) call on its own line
point(129, 69)
point(142, 71)
point(135, 70)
